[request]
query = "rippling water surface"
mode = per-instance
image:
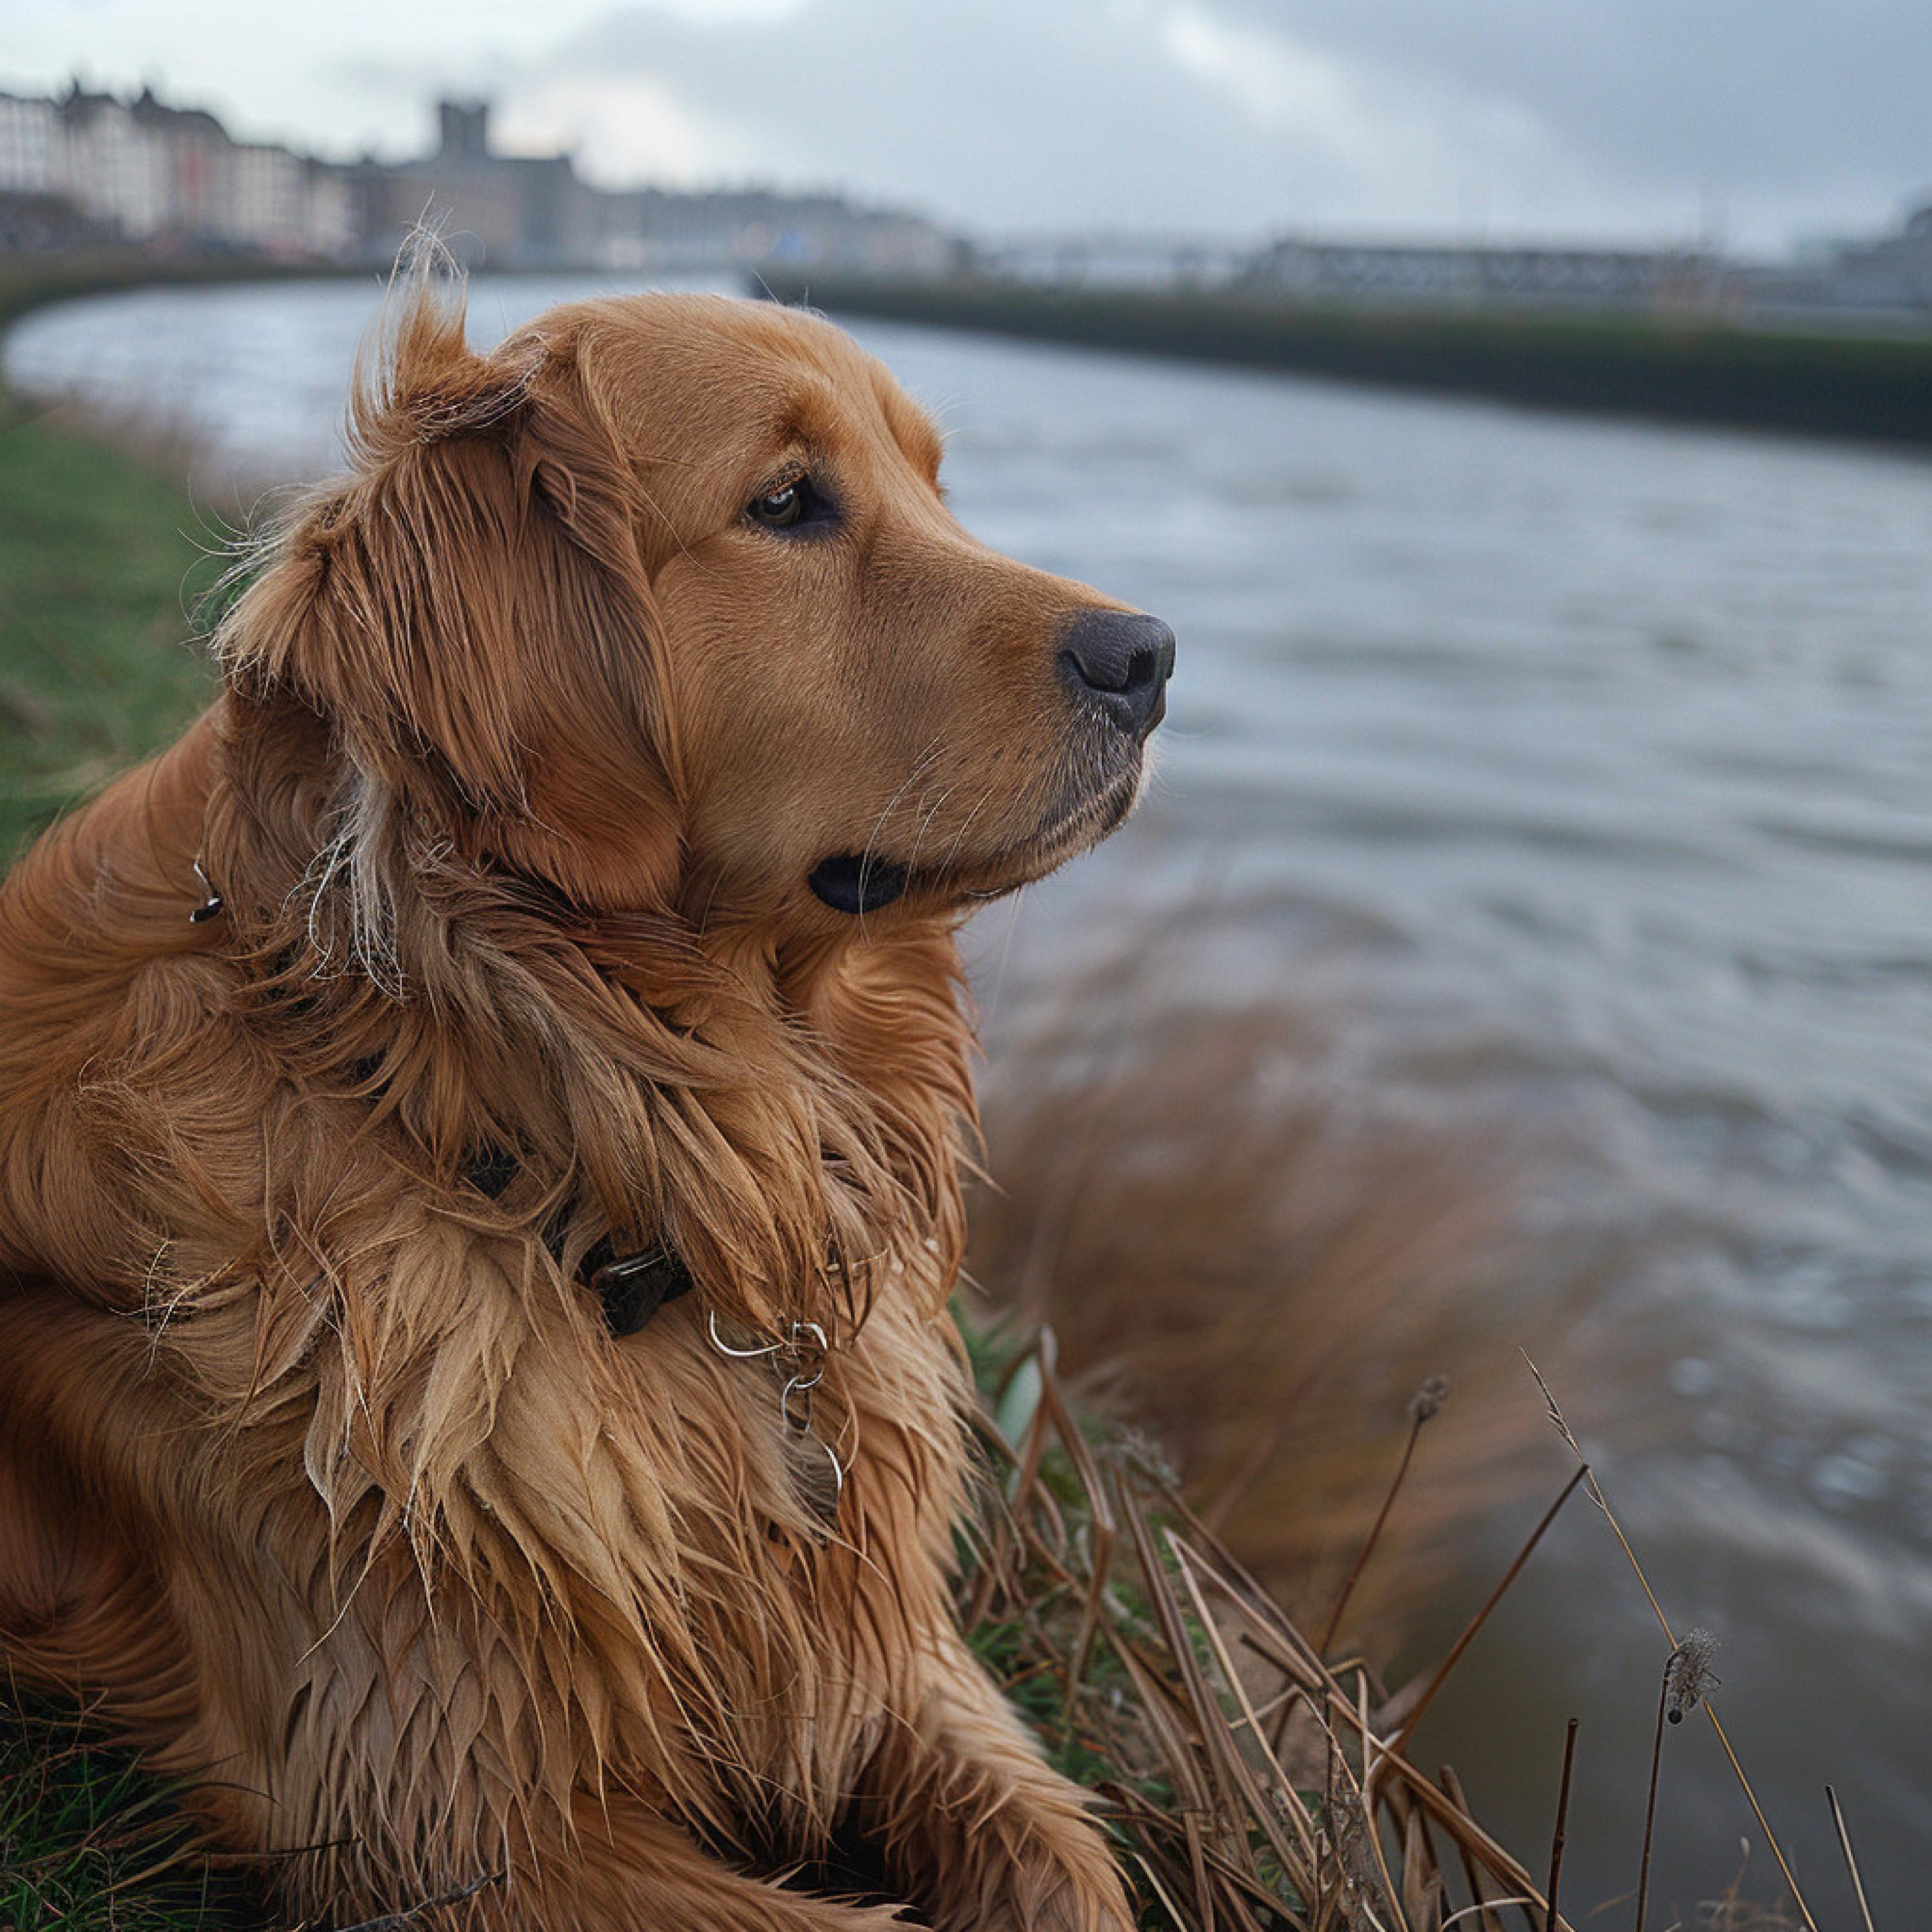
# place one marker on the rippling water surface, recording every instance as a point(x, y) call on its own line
point(1592, 764)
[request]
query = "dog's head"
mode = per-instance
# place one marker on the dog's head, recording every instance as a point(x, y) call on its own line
point(662, 603)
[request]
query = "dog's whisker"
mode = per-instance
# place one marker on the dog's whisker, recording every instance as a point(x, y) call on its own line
point(921, 764)
point(927, 815)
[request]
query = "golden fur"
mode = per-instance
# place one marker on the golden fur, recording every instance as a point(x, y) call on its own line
point(316, 1464)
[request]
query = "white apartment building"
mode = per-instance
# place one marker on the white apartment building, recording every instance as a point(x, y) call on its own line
point(29, 131)
point(140, 170)
point(111, 167)
point(267, 199)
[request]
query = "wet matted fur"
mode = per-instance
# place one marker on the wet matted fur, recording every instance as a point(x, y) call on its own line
point(602, 770)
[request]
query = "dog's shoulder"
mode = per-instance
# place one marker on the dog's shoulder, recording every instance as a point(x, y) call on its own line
point(105, 977)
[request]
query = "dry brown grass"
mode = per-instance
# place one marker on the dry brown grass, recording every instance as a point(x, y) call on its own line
point(1253, 1785)
point(1259, 1270)
point(1235, 1252)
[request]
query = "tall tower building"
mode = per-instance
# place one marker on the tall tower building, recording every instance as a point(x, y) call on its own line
point(464, 128)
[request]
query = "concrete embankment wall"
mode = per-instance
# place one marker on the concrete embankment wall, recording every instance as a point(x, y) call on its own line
point(1877, 388)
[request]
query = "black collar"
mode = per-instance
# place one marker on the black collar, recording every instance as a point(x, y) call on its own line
point(631, 1287)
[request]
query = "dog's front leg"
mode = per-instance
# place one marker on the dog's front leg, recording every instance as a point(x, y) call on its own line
point(629, 1869)
point(619, 1866)
point(971, 1821)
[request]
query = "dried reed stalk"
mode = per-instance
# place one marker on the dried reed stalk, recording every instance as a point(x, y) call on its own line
point(1150, 1659)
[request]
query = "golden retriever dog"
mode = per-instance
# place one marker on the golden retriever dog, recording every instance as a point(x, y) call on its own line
point(479, 1137)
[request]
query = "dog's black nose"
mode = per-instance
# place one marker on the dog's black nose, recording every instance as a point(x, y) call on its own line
point(1122, 659)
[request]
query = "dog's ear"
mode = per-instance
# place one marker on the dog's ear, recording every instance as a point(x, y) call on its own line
point(470, 614)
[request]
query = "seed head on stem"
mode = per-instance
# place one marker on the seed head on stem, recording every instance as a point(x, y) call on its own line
point(1688, 1677)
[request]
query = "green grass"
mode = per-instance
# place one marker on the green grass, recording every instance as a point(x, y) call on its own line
point(100, 558)
point(88, 1840)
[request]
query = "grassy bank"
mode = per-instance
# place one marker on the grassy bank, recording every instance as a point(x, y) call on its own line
point(1873, 388)
point(99, 557)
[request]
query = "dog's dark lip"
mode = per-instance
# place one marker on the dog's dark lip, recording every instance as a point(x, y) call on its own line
point(857, 882)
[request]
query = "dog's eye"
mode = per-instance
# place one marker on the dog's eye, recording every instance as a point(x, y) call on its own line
point(781, 508)
point(797, 502)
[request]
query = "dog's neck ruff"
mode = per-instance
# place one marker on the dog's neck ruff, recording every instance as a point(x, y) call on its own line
point(780, 1113)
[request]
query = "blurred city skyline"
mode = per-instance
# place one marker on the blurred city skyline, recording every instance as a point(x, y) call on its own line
point(1757, 128)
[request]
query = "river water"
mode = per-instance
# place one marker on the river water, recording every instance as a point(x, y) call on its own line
point(1593, 762)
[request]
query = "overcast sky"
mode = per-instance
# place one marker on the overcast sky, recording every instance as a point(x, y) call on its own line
point(1763, 121)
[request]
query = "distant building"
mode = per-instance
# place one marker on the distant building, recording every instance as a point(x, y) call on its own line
point(282, 203)
point(27, 128)
point(111, 166)
point(463, 130)
point(88, 166)
point(509, 211)
point(35, 213)
point(1885, 280)
point(192, 160)
point(535, 210)
point(1107, 259)
point(725, 228)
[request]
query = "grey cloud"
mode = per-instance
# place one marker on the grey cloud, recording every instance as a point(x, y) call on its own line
point(1617, 116)
point(1005, 111)
point(1013, 115)
point(1809, 102)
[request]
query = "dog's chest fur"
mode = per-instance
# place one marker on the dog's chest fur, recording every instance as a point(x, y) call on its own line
point(615, 1523)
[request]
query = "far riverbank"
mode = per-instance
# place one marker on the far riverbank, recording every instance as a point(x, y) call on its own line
point(31, 281)
point(1868, 388)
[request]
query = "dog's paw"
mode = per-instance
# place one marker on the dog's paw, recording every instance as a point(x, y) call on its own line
point(1062, 1902)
